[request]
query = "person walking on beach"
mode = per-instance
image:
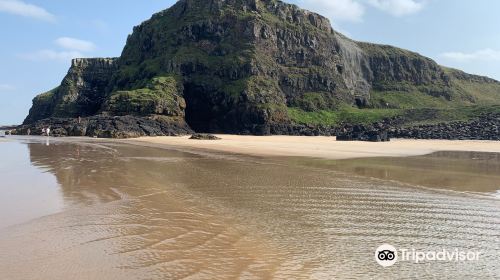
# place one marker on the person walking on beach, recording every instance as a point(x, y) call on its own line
point(47, 131)
point(28, 132)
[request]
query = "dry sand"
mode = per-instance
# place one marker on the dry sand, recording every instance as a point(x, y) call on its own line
point(321, 147)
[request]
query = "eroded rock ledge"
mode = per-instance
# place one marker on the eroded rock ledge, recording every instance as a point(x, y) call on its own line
point(486, 127)
point(108, 127)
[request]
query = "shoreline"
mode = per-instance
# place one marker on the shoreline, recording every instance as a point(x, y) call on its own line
point(319, 146)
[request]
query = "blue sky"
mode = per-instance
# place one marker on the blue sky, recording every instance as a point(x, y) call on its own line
point(39, 38)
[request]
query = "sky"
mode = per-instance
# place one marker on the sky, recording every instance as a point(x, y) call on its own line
point(40, 37)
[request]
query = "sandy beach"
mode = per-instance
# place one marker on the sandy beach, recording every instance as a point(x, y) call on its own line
point(85, 208)
point(320, 147)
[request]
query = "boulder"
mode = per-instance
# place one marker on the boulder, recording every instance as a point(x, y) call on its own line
point(202, 136)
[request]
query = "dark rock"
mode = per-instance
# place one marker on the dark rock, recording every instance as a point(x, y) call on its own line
point(202, 136)
point(485, 127)
point(235, 66)
point(80, 94)
point(7, 130)
point(362, 133)
point(110, 127)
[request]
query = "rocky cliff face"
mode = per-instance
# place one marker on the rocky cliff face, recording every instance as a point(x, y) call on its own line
point(238, 66)
point(81, 93)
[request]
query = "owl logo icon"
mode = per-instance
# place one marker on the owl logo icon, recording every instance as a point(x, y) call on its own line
point(386, 255)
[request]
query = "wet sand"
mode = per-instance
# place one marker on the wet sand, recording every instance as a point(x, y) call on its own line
point(120, 211)
point(322, 147)
point(473, 172)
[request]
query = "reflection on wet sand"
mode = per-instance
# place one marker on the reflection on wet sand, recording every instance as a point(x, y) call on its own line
point(462, 171)
point(123, 222)
point(147, 213)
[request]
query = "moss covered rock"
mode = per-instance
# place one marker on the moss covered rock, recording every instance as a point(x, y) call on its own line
point(161, 96)
point(246, 66)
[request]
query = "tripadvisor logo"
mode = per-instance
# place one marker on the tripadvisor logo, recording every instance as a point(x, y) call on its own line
point(387, 255)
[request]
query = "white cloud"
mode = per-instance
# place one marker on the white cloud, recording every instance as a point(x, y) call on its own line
point(75, 44)
point(480, 55)
point(73, 48)
point(336, 10)
point(44, 55)
point(398, 7)
point(6, 87)
point(354, 10)
point(20, 8)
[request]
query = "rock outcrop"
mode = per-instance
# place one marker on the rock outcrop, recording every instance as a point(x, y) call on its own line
point(6, 130)
point(374, 135)
point(81, 93)
point(238, 66)
point(108, 127)
point(485, 127)
point(204, 136)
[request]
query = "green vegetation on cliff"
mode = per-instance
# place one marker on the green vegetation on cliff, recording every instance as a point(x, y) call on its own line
point(241, 66)
point(345, 114)
point(161, 96)
point(42, 106)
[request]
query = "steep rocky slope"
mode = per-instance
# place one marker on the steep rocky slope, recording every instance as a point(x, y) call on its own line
point(248, 66)
point(81, 92)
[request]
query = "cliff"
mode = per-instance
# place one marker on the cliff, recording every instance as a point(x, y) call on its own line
point(252, 66)
point(81, 93)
